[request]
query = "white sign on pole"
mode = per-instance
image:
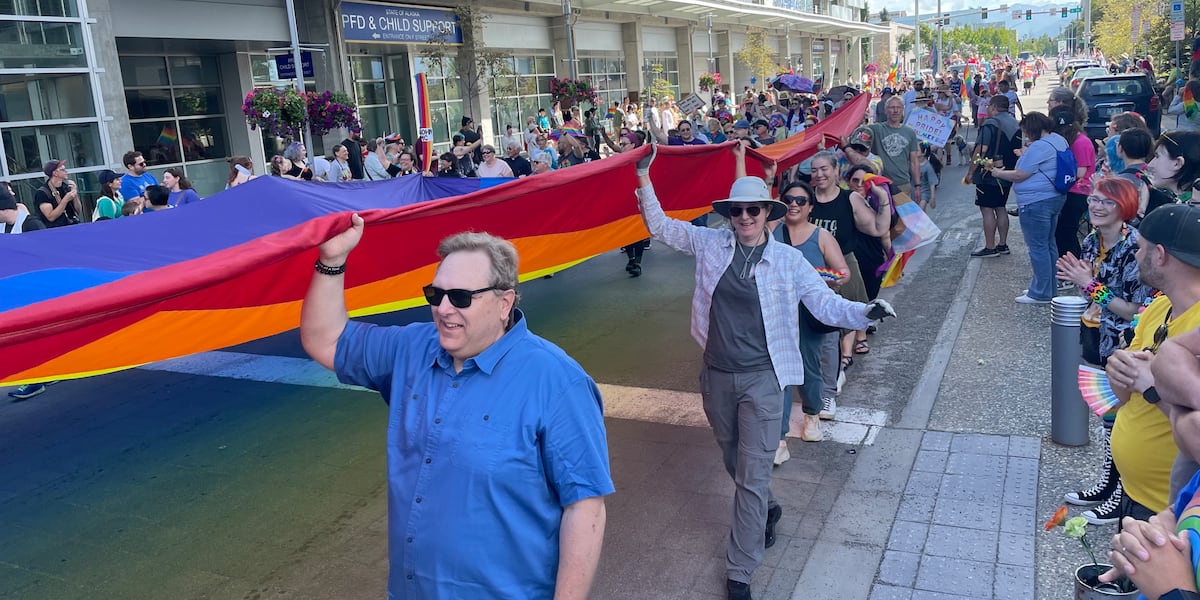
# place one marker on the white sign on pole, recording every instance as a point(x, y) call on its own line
point(1062, 46)
point(930, 126)
point(425, 134)
point(1177, 26)
point(1135, 31)
point(689, 104)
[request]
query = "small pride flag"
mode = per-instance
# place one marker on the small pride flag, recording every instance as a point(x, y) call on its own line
point(168, 136)
point(1190, 107)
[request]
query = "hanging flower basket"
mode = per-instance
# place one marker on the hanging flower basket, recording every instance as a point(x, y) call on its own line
point(285, 112)
point(279, 112)
point(709, 81)
point(331, 110)
point(569, 91)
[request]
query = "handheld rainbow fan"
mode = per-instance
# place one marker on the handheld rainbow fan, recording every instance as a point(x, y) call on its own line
point(1093, 384)
point(828, 273)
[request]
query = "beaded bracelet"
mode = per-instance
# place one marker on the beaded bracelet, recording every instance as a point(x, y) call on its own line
point(325, 269)
point(1091, 288)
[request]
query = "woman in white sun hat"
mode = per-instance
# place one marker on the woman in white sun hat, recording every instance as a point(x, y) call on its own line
point(745, 315)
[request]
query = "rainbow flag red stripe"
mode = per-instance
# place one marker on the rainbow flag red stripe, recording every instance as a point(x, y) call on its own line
point(424, 118)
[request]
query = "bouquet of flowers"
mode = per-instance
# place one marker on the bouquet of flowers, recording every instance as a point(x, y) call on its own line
point(709, 81)
point(331, 110)
point(573, 91)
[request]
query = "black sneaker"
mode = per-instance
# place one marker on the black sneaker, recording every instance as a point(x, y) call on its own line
point(1107, 513)
point(773, 515)
point(1002, 249)
point(737, 590)
point(985, 253)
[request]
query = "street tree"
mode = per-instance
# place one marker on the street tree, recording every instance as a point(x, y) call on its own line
point(476, 69)
point(757, 56)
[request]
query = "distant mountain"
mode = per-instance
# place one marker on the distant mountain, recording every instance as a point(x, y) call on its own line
point(1041, 24)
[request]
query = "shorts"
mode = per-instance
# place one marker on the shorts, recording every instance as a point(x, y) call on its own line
point(991, 196)
point(1028, 85)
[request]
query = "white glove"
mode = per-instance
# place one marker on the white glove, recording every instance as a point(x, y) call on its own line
point(879, 308)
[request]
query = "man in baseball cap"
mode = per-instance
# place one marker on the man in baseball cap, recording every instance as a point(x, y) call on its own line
point(1143, 447)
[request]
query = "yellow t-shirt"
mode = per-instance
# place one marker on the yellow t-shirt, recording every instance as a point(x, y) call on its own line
point(1142, 445)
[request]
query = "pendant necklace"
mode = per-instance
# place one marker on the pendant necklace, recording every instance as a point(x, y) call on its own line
point(748, 262)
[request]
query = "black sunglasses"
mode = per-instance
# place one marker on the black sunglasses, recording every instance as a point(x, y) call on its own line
point(1160, 334)
point(736, 211)
point(458, 298)
point(797, 200)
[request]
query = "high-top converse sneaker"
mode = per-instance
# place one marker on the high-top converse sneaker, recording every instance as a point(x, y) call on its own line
point(1106, 513)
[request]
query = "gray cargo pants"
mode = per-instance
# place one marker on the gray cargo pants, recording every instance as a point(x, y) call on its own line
point(744, 410)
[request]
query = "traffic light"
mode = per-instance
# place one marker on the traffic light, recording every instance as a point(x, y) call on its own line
point(1028, 15)
point(1064, 12)
point(984, 14)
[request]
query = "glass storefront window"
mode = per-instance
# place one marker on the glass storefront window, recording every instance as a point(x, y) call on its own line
point(148, 104)
point(198, 101)
point(606, 72)
point(28, 148)
point(177, 115)
point(195, 70)
point(158, 141)
point(39, 45)
point(374, 121)
point(370, 91)
point(39, 8)
point(45, 97)
point(138, 71)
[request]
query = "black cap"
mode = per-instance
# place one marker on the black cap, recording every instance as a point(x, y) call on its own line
point(7, 201)
point(108, 176)
point(1175, 227)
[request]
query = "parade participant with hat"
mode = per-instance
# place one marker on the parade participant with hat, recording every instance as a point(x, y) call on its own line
point(745, 317)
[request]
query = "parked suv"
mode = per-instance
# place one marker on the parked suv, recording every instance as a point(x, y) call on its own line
point(1109, 95)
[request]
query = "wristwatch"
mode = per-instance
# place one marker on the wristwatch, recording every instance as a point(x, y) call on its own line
point(1151, 395)
point(1178, 594)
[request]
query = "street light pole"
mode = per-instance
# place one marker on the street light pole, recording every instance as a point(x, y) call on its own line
point(917, 34)
point(572, 67)
point(712, 66)
point(297, 61)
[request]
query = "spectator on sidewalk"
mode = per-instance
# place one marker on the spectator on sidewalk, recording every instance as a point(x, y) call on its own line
point(241, 170)
point(57, 201)
point(133, 184)
point(354, 156)
point(1069, 124)
point(518, 164)
point(157, 198)
point(14, 218)
point(745, 319)
point(1038, 201)
point(541, 163)
point(108, 205)
point(497, 458)
point(339, 165)
point(375, 164)
point(1107, 273)
point(997, 144)
point(180, 187)
point(1175, 167)
point(1143, 447)
point(492, 166)
point(1135, 148)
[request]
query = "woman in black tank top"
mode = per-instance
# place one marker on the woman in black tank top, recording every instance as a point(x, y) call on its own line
point(845, 214)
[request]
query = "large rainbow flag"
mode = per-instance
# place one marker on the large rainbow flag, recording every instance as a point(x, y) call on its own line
point(100, 297)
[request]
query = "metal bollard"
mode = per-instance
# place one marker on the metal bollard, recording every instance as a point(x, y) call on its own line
point(1068, 412)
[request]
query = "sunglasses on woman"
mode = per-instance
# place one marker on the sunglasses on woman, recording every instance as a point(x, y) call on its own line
point(797, 200)
point(736, 211)
point(458, 298)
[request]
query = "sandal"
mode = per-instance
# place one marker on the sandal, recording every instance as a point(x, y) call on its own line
point(847, 361)
point(862, 347)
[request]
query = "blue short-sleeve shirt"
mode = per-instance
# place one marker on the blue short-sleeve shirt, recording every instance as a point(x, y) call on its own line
point(1040, 160)
point(481, 463)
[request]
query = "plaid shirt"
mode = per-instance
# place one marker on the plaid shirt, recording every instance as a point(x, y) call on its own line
point(783, 277)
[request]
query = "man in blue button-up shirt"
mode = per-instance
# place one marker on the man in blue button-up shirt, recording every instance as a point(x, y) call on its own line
point(497, 459)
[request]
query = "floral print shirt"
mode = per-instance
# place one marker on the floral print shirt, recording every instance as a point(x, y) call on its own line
point(1116, 268)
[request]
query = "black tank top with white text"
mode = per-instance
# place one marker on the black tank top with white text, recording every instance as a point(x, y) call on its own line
point(837, 217)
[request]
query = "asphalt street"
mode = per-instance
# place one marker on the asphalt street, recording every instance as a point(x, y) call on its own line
point(250, 473)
